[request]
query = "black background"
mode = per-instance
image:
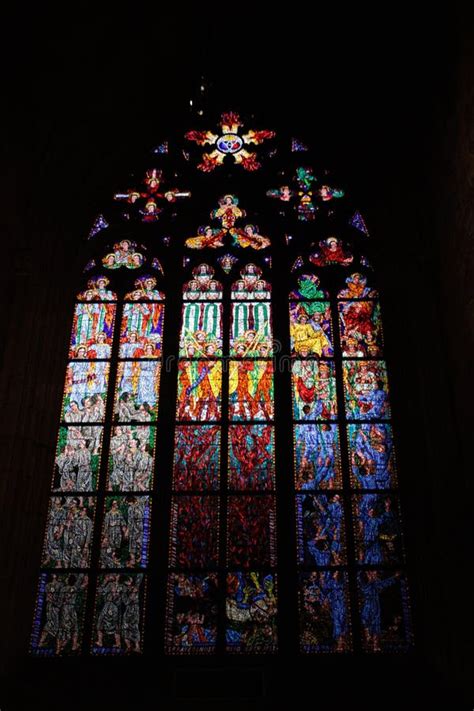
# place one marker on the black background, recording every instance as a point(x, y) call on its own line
point(386, 95)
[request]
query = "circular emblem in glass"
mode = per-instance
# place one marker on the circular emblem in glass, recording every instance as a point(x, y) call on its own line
point(229, 143)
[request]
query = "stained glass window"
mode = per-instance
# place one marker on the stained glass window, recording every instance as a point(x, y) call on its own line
point(111, 493)
point(364, 495)
point(227, 460)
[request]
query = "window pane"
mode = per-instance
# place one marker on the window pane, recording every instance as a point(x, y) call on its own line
point(251, 608)
point(251, 330)
point(317, 456)
point(141, 334)
point(191, 613)
point(324, 612)
point(251, 390)
point(313, 390)
point(92, 330)
point(321, 535)
point(361, 329)
point(136, 395)
point(119, 614)
point(131, 458)
point(199, 390)
point(194, 531)
point(58, 623)
point(125, 535)
point(251, 539)
point(201, 330)
point(196, 457)
point(78, 453)
point(85, 392)
point(251, 457)
point(366, 389)
point(311, 329)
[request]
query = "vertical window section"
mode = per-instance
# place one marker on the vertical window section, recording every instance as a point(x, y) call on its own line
point(321, 540)
point(191, 610)
point(125, 534)
point(381, 582)
point(64, 578)
point(251, 585)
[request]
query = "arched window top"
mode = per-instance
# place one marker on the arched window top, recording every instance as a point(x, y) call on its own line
point(125, 254)
point(229, 140)
point(202, 286)
point(97, 290)
point(357, 288)
point(318, 344)
point(308, 288)
point(251, 285)
point(145, 290)
point(332, 251)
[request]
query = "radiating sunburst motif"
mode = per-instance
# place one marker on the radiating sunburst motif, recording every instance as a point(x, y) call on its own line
point(229, 142)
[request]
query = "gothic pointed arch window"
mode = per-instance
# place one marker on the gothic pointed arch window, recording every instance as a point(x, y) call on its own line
point(225, 459)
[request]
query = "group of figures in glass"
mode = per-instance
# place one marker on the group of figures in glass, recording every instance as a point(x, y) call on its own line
point(224, 475)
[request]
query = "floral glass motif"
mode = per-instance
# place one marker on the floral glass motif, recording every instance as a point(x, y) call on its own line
point(229, 141)
point(191, 614)
point(196, 457)
point(77, 461)
point(324, 612)
point(58, 622)
point(131, 458)
point(136, 395)
point(251, 609)
point(226, 262)
point(313, 389)
point(251, 457)
point(317, 456)
point(124, 255)
point(304, 194)
point(366, 389)
point(320, 524)
point(150, 199)
point(119, 614)
point(311, 329)
point(125, 532)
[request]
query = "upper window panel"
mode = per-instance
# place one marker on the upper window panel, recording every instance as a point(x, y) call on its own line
point(229, 139)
